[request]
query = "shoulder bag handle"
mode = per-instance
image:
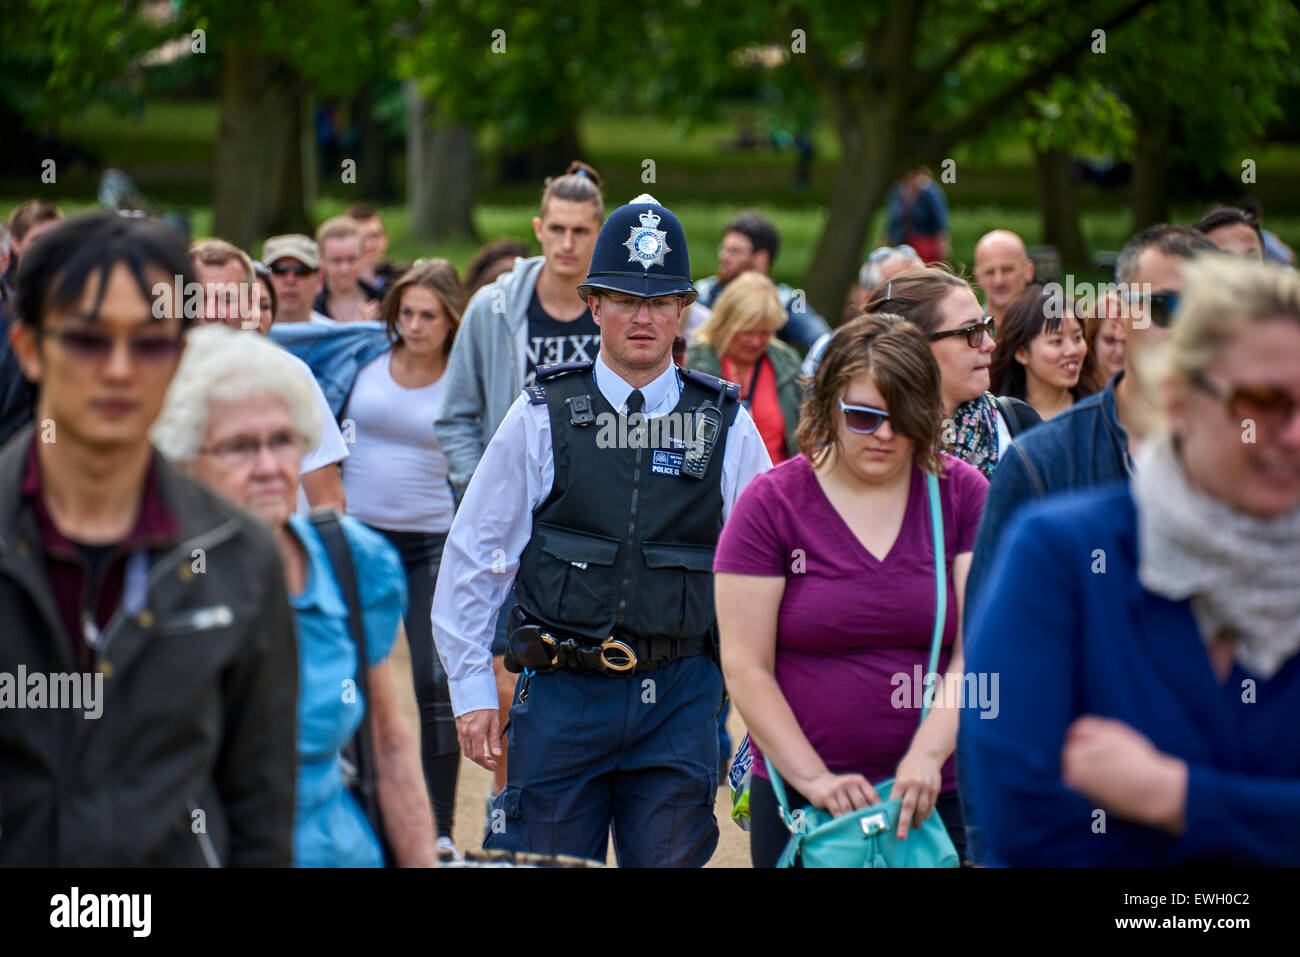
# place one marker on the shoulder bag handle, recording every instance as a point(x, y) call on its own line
point(936, 638)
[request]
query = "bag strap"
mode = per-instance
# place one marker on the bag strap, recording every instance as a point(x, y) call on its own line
point(936, 638)
point(330, 529)
point(941, 588)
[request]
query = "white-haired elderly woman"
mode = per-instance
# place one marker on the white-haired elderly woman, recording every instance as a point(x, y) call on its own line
point(1147, 636)
point(238, 416)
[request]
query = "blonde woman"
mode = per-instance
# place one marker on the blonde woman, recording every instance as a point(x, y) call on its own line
point(1181, 663)
point(737, 344)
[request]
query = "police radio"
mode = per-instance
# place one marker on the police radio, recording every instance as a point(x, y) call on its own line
point(708, 425)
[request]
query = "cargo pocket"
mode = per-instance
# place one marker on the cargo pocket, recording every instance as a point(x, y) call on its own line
point(575, 575)
point(506, 813)
point(686, 574)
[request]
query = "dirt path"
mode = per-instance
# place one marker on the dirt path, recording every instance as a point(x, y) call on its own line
point(472, 788)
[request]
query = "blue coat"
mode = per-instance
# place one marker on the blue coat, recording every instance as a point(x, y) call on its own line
point(335, 353)
point(1070, 631)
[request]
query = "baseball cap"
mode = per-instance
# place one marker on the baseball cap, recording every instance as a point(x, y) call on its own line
point(295, 245)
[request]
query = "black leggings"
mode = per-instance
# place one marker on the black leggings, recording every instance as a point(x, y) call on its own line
point(768, 835)
point(439, 748)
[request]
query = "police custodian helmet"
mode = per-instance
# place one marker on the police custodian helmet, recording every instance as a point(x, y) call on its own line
point(641, 251)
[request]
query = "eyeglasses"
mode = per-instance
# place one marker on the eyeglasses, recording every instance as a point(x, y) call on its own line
point(245, 449)
point(1269, 407)
point(974, 334)
point(625, 308)
point(284, 269)
point(1163, 305)
point(86, 345)
point(735, 251)
point(862, 419)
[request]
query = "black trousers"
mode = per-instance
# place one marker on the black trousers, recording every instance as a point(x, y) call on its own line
point(439, 748)
point(768, 835)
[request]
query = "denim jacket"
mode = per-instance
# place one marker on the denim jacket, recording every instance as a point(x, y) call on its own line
point(1083, 447)
point(335, 353)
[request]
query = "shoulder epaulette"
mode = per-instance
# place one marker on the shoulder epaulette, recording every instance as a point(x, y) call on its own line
point(536, 394)
point(561, 368)
point(710, 382)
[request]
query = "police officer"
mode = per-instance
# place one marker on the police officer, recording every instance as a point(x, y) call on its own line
point(606, 523)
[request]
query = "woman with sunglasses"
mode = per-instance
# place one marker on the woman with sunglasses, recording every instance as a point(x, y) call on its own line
point(1042, 356)
point(976, 425)
point(816, 668)
point(1164, 613)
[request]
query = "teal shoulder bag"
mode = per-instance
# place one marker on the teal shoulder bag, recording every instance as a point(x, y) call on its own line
point(869, 837)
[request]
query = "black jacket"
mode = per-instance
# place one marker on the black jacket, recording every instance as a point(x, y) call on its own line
point(17, 397)
point(192, 760)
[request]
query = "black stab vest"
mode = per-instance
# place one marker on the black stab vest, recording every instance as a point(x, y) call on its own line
point(622, 546)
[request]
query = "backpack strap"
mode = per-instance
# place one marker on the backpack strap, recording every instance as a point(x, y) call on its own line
point(1017, 414)
point(330, 529)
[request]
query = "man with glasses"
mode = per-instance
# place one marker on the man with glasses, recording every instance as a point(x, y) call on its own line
point(1092, 442)
point(1003, 269)
point(750, 243)
point(294, 261)
point(606, 523)
point(165, 605)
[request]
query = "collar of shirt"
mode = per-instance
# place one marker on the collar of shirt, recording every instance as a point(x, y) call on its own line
point(154, 525)
point(661, 394)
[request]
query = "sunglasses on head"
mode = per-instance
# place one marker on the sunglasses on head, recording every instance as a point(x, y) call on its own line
point(974, 333)
point(299, 269)
point(862, 419)
point(884, 252)
point(1269, 407)
point(88, 345)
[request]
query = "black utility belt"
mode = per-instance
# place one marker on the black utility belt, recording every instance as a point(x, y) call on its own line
point(535, 646)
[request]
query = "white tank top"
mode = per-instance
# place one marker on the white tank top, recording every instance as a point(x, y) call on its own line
point(395, 476)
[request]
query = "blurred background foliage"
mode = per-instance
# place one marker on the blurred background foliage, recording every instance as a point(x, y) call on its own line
point(244, 114)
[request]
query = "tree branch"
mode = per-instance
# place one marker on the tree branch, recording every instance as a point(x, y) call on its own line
point(920, 87)
point(935, 143)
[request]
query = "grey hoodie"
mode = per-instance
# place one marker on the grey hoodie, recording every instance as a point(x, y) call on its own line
point(485, 372)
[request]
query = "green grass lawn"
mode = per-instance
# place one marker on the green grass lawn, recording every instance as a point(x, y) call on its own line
point(168, 148)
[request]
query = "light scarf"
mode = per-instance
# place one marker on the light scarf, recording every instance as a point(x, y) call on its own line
point(1241, 572)
point(976, 442)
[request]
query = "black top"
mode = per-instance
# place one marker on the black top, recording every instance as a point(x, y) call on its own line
point(321, 304)
point(552, 341)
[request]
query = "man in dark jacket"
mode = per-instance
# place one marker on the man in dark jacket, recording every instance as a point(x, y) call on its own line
point(148, 667)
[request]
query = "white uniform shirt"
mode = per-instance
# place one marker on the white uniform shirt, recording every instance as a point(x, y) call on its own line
point(495, 523)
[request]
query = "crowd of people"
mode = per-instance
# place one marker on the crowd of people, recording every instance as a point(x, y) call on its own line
point(228, 521)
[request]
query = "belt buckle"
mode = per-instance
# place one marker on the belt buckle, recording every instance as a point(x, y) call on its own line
point(624, 657)
point(552, 647)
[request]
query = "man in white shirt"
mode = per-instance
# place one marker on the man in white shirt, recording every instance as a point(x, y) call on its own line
point(600, 497)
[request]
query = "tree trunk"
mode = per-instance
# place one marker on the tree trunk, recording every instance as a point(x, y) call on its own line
point(1058, 200)
point(1151, 171)
point(868, 147)
point(372, 161)
point(440, 171)
point(258, 179)
point(535, 162)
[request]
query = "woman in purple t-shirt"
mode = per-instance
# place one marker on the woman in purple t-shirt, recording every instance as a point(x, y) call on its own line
point(826, 591)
